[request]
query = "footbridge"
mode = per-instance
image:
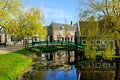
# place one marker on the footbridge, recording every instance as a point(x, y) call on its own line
point(48, 43)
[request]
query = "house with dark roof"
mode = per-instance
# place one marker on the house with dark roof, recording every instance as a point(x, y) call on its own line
point(61, 32)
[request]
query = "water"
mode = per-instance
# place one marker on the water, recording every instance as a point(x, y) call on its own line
point(71, 65)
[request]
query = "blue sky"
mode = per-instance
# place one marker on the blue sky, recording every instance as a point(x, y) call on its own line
point(60, 11)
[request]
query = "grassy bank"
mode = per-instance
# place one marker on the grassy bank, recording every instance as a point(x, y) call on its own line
point(13, 64)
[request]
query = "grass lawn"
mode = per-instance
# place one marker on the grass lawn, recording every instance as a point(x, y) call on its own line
point(13, 64)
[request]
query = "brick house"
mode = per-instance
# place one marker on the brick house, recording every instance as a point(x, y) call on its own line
point(61, 32)
point(7, 39)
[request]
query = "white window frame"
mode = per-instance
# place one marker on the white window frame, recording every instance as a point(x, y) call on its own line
point(96, 65)
point(83, 42)
point(97, 43)
point(104, 42)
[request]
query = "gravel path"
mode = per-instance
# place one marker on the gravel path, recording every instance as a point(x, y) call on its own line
point(5, 50)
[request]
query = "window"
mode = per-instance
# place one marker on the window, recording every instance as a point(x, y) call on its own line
point(62, 38)
point(92, 42)
point(62, 28)
point(83, 42)
point(111, 41)
point(65, 38)
point(35, 38)
point(104, 42)
point(112, 44)
point(111, 65)
point(71, 39)
point(97, 65)
point(98, 42)
point(68, 38)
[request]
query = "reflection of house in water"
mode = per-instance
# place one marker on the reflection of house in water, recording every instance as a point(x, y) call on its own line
point(62, 57)
point(99, 42)
point(108, 65)
point(59, 57)
point(97, 71)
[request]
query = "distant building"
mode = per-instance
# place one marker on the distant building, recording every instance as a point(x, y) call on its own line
point(61, 32)
point(7, 39)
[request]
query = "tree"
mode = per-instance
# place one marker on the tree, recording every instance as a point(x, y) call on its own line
point(66, 30)
point(8, 10)
point(30, 24)
point(21, 24)
point(107, 13)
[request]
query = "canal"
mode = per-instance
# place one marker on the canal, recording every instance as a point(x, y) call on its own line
point(71, 65)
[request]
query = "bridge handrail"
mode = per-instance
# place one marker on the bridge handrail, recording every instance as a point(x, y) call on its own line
point(53, 43)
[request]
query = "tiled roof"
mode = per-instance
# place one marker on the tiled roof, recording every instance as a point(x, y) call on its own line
point(57, 26)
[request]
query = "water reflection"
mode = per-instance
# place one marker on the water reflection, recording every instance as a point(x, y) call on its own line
point(103, 70)
point(71, 65)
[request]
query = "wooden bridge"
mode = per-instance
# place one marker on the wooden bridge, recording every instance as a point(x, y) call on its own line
point(48, 43)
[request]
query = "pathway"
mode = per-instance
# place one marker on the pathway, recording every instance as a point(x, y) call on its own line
point(4, 50)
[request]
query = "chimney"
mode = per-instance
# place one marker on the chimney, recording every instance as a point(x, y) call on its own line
point(71, 23)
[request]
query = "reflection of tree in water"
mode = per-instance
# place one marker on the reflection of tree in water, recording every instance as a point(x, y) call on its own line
point(97, 71)
point(34, 75)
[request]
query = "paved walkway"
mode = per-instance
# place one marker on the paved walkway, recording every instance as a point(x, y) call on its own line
point(5, 50)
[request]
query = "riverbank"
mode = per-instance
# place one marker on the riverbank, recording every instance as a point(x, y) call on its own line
point(13, 64)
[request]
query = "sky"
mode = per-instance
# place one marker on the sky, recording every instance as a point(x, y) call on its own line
point(59, 11)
